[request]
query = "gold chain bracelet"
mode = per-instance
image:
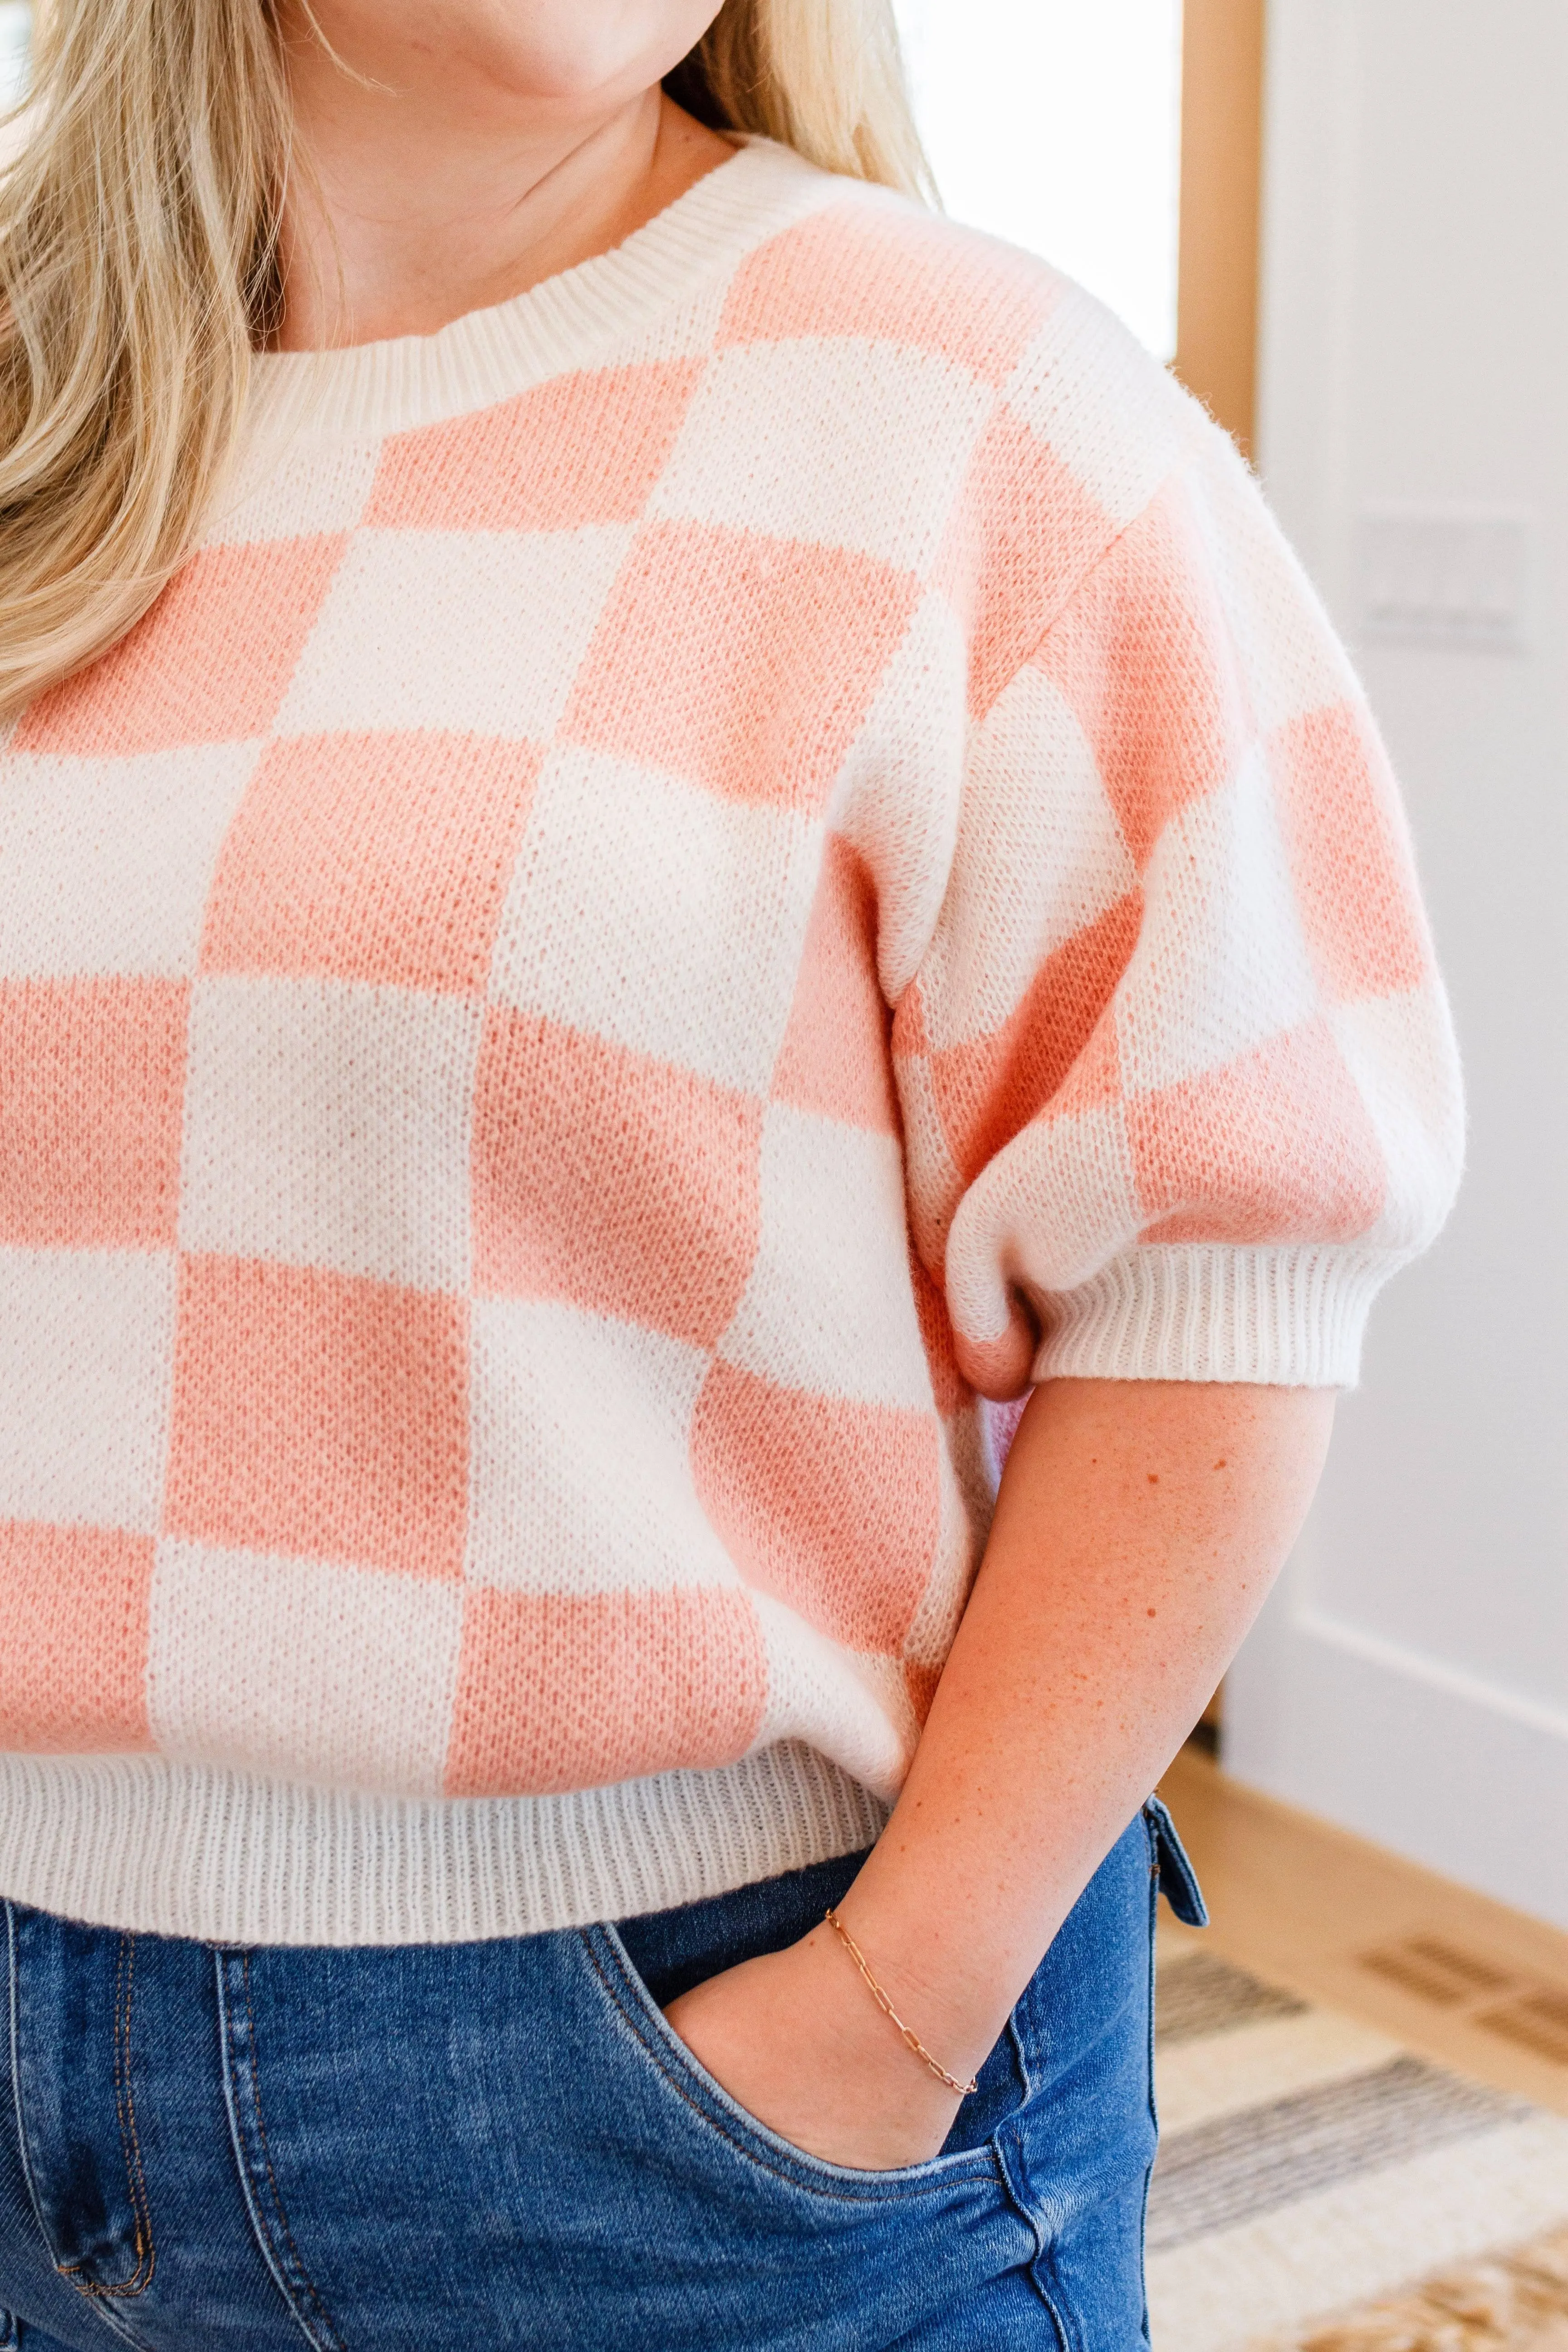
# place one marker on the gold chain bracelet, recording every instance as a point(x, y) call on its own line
point(907, 2033)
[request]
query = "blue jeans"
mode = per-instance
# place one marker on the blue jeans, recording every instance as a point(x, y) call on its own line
point(457, 2148)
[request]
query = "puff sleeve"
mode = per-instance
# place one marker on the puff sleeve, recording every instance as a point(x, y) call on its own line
point(1178, 1079)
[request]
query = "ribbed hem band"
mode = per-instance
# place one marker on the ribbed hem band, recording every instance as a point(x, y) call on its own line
point(186, 1850)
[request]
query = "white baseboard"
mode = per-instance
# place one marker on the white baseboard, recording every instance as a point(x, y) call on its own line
point(1439, 1765)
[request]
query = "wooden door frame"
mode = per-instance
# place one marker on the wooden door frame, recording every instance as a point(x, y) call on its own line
point(1222, 160)
point(1217, 293)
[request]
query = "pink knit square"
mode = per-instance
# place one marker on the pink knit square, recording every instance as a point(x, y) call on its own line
point(615, 1181)
point(1277, 1147)
point(583, 448)
point(1349, 856)
point(374, 857)
point(1094, 1081)
point(834, 1058)
point(952, 1391)
point(831, 1505)
point(320, 1416)
point(90, 1111)
point(558, 1694)
point(741, 663)
point(989, 1088)
point(1025, 531)
point(73, 1662)
point(1141, 656)
point(209, 663)
point(911, 281)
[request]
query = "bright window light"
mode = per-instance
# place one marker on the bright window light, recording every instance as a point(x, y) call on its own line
point(16, 32)
point(1056, 124)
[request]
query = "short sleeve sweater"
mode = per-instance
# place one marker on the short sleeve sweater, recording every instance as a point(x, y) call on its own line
point(702, 871)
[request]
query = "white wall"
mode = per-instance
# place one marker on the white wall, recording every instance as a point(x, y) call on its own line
point(1411, 1678)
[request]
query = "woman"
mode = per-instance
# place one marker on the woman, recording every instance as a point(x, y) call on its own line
point(664, 824)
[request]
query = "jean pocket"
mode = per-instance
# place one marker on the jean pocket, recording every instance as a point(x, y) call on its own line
point(1178, 1881)
point(684, 2078)
point(75, 2036)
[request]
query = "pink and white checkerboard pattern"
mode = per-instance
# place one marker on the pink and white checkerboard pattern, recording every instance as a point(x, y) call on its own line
point(497, 967)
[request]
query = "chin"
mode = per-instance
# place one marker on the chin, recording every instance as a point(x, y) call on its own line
point(581, 67)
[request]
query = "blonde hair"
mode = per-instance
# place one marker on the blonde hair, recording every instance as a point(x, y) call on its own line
point(139, 269)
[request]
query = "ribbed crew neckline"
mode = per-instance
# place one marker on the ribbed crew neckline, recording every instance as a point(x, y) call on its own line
point(564, 321)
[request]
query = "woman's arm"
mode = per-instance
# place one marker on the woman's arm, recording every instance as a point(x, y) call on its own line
point(1138, 1527)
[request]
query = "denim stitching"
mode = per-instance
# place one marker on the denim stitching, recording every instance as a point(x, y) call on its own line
point(24, 2145)
point(306, 2281)
point(869, 2196)
point(129, 2141)
point(1021, 2059)
point(1040, 2260)
point(242, 2081)
point(111, 2319)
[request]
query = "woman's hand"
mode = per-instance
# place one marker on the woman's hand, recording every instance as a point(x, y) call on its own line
point(798, 2041)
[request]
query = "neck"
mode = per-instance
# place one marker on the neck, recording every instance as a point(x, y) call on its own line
point(429, 188)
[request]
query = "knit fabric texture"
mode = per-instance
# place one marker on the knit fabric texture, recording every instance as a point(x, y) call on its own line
point(702, 871)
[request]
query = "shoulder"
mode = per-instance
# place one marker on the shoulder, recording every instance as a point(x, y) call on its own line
point(1051, 380)
point(1009, 421)
point(863, 263)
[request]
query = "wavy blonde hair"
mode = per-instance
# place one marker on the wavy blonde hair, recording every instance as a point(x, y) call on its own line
point(139, 269)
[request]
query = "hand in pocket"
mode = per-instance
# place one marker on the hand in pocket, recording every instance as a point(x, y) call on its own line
point(797, 2038)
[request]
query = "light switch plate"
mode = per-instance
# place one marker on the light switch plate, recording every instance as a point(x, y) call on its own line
point(1449, 576)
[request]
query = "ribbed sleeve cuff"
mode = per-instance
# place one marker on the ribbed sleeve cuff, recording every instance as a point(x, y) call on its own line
point(1285, 1318)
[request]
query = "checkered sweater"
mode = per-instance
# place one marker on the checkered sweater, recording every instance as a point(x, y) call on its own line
point(700, 866)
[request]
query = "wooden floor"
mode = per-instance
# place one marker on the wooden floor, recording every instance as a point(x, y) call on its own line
point(1456, 1976)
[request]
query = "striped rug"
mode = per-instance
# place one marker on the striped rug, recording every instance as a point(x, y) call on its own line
point(1321, 2189)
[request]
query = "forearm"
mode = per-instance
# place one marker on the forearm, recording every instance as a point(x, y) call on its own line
point(1138, 1528)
